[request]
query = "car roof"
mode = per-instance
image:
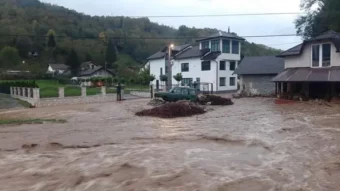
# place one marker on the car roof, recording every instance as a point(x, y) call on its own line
point(186, 88)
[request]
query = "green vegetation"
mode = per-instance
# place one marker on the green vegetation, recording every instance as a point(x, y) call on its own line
point(325, 17)
point(52, 31)
point(6, 84)
point(29, 121)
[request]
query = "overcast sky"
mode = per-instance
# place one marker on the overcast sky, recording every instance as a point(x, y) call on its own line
point(243, 26)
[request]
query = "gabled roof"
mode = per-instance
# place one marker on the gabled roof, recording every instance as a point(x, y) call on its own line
point(222, 34)
point(192, 53)
point(260, 65)
point(332, 36)
point(162, 53)
point(211, 55)
point(91, 71)
point(59, 66)
point(157, 55)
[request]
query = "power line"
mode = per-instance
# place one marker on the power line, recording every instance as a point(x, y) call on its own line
point(218, 15)
point(144, 38)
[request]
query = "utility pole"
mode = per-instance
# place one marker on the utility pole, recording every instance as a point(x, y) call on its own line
point(169, 81)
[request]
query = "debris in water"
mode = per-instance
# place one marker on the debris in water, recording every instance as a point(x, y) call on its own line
point(173, 110)
point(214, 100)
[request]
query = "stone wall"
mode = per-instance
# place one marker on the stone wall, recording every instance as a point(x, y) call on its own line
point(256, 85)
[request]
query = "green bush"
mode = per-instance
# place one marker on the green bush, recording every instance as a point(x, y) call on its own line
point(6, 84)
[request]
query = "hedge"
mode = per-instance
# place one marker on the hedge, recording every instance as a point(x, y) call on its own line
point(5, 85)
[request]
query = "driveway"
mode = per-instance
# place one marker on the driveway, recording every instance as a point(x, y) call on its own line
point(253, 145)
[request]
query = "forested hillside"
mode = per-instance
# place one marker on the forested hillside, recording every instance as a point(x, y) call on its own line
point(27, 25)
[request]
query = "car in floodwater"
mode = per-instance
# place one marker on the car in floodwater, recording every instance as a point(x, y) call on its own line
point(178, 93)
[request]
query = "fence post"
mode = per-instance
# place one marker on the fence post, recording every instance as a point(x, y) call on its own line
point(83, 91)
point(152, 91)
point(61, 91)
point(103, 89)
point(36, 94)
point(15, 91)
point(30, 92)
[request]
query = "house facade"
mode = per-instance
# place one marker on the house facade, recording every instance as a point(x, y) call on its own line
point(57, 68)
point(256, 74)
point(312, 69)
point(213, 62)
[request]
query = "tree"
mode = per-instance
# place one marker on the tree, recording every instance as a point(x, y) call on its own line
point(163, 78)
point(145, 77)
point(178, 77)
point(88, 57)
point(324, 18)
point(9, 57)
point(51, 43)
point(72, 61)
point(24, 45)
point(111, 54)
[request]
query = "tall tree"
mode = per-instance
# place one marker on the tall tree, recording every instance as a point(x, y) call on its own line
point(73, 62)
point(111, 55)
point(9, 57)
point(325, 17)
point(51, 42)
point(88, 57)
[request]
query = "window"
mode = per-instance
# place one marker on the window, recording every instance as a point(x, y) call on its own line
point(177, 90)
point(205, 44)
point(235, 47)
point(186, 81)
point(232, 66)
point(185, 91)
point(215, 45)
point(222, 81)
point(326, 55)
point(232, 81)
point(192, 92)
point(222, 65)
point(226, 46)
point(185, 67)
point(205, 65)
point(315, 55)
point(161, 71)
point(321, 55)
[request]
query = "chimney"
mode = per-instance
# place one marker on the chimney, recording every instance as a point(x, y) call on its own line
point(228, 29)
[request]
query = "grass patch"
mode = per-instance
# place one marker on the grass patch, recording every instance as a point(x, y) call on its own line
point(29, 121)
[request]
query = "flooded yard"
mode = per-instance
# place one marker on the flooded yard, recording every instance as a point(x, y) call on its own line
point(253, 145)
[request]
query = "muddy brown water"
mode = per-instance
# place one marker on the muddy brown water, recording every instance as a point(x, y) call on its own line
point(253, 145)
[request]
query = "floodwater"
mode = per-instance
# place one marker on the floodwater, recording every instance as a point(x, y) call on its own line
point(253, 145)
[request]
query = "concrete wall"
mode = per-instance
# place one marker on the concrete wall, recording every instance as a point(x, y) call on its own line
point(253, 85)
point(305, 59)
point(34, 97)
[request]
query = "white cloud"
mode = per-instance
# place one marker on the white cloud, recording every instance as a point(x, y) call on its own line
point(243, 25)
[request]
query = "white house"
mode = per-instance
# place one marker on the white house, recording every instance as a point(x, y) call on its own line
point(57, 68)
point(213, 61)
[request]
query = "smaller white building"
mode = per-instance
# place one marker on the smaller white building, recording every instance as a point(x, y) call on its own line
point(212, 62)
point(57, 68)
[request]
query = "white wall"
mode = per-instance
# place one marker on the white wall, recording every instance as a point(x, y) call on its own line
point(195, 71)
point(305, 59)
point(155, 66)
point(227, 74)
